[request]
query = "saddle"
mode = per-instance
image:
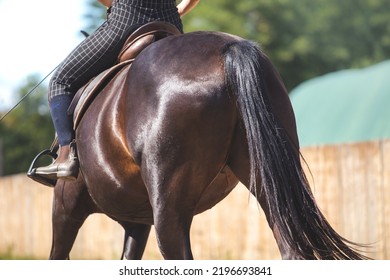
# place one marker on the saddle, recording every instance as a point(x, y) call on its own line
point(135, 43)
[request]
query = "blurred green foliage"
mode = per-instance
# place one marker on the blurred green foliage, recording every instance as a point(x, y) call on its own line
point(304, 38)
point(26, 131)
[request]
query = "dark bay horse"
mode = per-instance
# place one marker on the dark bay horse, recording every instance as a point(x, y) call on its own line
point(173, 135)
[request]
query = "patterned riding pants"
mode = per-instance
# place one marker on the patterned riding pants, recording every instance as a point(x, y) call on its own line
point(100, 50)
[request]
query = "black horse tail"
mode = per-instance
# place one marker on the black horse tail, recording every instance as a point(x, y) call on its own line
point(275, 167)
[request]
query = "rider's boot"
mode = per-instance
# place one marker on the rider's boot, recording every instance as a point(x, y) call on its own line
point(66, 165)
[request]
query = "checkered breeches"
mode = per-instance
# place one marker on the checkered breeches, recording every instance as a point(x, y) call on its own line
point(100, 50)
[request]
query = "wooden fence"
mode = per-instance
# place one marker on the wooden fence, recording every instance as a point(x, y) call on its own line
point(351, 183)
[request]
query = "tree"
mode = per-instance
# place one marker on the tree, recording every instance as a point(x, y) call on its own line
point(304, 38)
point(27, 130)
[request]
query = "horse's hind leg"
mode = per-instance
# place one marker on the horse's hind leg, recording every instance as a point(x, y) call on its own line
point(71, 206)
point(172, 220)
point(136, 237)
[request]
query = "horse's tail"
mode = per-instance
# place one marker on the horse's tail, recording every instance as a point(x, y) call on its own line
point(275, 167)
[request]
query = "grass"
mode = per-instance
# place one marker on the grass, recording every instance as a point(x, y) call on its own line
point(9, 255)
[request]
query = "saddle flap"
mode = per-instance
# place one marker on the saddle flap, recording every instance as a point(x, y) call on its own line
point(87, 93)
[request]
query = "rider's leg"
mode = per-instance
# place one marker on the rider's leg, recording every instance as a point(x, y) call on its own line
point(66, 165)
point(95, 54)
point(61, 120)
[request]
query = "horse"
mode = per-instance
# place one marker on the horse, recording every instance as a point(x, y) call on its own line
point(173, 134)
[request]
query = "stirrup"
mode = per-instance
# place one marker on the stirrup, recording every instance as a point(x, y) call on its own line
point(52, 152)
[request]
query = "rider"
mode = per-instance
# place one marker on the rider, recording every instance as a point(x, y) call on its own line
point(95, 54)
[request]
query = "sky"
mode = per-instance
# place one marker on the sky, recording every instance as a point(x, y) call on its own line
point(35, 36)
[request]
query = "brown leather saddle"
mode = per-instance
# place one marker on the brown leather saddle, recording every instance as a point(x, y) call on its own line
point(136, 42)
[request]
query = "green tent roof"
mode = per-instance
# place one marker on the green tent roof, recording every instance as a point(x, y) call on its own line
point(344, 106)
